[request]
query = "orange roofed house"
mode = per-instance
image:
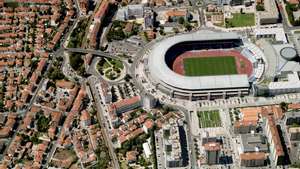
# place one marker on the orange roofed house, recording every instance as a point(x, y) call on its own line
point(276, 150)
point(253, 159)
point(174, 14)
point(126, 105)
point(212, 150)
point(249, 119)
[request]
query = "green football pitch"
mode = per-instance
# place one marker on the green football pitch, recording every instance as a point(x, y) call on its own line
point(209, 119)
point(205, 66)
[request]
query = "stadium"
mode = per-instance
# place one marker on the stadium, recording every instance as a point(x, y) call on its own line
point(205, 65)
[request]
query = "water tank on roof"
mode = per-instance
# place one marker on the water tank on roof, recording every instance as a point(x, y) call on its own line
point(288, 53)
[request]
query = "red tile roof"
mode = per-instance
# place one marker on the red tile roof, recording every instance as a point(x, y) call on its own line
point(275, 136)
point(149, 123)
point(212, 146)
point(253, 156)
point(126, 102)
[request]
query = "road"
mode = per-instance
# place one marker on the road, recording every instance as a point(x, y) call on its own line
point(192, 158)
point(92, 80)
point(92, 83)
point(92, 51)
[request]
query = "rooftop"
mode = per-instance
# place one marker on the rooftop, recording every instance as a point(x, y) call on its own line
point(253, 156)
point(254, 143)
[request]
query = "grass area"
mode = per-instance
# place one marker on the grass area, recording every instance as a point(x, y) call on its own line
point(290, 8)
point(78, 33)
point(77, 63)
point(203, 66)
point(209, 119)
point(117, 31)
point(241, 20)
point(11, 4)
point(110, 68)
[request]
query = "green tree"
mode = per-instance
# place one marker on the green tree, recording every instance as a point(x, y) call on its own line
point(43, 123)
point(283, 106)
point(188, 26)
point(75, 61)
point(181, 20)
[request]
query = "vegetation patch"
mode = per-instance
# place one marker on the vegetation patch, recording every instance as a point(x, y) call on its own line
point(290, 8)
point(240, 20)
point(110, 68)
point(77, 63)
point(121, 30)
point(209, 119)
point(103, 157)
point(54, 72)
point(42, 123)
point(77, 34)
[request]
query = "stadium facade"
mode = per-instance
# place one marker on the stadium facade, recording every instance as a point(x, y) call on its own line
point(210, 87)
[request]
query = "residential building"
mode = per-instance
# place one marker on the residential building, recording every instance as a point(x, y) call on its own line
point(147, 150)
point(253, 159)
point(125, 105)
point(212, 150)
point(174, 14)
point(130, 12)
point(276, 149)
point(175, 146)
point(254, 143)
point(149, 102)
point(244, 127)
point(148, 19)
point(270, 15)
point(131, 156)
point(288, 82)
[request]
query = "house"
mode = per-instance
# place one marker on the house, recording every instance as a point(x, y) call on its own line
point(131, 156)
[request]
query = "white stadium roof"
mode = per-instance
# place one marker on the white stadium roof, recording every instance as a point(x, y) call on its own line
point(160, 70)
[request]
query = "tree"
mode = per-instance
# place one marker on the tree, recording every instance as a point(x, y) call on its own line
point(35, 140)
point(162, 30)
point(260, 7)
point(55, 74)
point(1, 104)
point(188, 26)
point(175, 30)
point(284, 106)
point(127, 78)
point(43, 123)
point(75, 61)
point(181, 20)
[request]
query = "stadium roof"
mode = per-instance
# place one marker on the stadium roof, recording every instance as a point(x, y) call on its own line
point(161, 71)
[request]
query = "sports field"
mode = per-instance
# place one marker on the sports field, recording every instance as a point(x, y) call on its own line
point(241, 20)
point(205, 66)
point(209, 119)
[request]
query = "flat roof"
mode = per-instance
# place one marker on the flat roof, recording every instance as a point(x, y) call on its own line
point(160, 70)
point(270, 11)
point(292, 81)
point(254, 142)
point(278, 32)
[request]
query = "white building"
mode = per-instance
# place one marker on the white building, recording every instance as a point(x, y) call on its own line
point(147, 150)
point(275, 33)
point(290, 83)
point(270, 15)
point(149, 102)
